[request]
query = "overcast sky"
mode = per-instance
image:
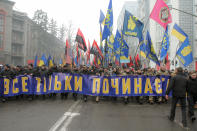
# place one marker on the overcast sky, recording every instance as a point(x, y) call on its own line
point(83, 13)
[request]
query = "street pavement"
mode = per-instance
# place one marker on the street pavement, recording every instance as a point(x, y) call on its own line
point(70, 115)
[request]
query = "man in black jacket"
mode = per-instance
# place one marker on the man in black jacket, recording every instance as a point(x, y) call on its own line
point(192, 92)
point(178, 85)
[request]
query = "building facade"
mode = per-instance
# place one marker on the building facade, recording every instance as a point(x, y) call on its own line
point(5, 30)
point(195, 33)
point(21, 39)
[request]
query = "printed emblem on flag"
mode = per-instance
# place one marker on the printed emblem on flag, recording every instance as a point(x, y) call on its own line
point(164, 14)
point(131, 24)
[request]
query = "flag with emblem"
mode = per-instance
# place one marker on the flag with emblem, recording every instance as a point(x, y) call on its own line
point(161, 13)
point(184, 54)
point(132, 26)
point(142, 48)
point(124, 54)
point(108, 23)
point(117, 44)
point(179, 33)
point(165, 45)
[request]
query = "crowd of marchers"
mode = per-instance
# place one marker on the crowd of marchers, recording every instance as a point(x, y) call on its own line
point(44, 71)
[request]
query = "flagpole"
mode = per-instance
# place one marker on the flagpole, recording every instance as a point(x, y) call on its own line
point(122, 35)
point(105, 50)
point(175, 55)
point(101, 44)
point(121, 49)
point(143, 40)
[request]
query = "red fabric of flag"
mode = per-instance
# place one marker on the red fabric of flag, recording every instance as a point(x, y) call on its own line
point(96, 50)
point(81, 40)
point(88, 52)
point(68, 59)
point(131, 62)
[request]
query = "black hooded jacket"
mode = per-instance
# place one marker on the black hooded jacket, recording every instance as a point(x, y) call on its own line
point(178, 85)
point(192, 87)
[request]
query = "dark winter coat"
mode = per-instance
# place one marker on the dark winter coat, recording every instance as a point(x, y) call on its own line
point(178, 85)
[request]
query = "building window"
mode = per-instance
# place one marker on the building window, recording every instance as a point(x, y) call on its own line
point(1, 40)
point(2, 25)
point(1, 22)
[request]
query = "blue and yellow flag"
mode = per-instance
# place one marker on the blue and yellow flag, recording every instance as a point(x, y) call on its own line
point(124, 54)
point(165, 45)
point(132, 26)
point(50, 61)
point(101, 21)
point(102, 17)
point(60, 62)
point(117, 44)
point(184, 54)
point(76, 61)
point(108, 22)
point(150, 50)
point(35, 61)
point(142, 47)
point(43, 60)
point(111, 42)
point(179, 33)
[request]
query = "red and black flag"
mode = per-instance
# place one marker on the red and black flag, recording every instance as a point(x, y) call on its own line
point(77, 54)
point(67, 47)
point(88, 53)
point(95, 61)
point(96, 50)
point(131, 62)
point(167, 62)
point(68, 53)
point(81, 40)
point(137, 61)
